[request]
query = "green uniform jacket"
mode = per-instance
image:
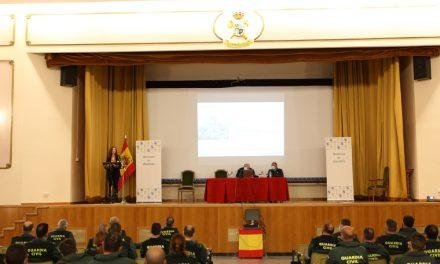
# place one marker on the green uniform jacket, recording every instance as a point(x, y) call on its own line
point(322, 244)
point(155, 242)
point(59, 235)
point(168, 232)
point(415, 257)
point(348, 253)
point(41, 250)
point(394, 243)
point(433, 249)
point(76, 259)
point(128, 247)
point(376, 251)
point(174, 258)
point(196, 250)
point(407, 232)
point(23, 239)
point(113, 258)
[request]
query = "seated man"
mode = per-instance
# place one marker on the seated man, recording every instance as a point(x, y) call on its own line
point(68, 250)
point(128, 248)
point(112, 244)
point(432, 244)
point(169, 230)
point(155, 256)
point(408, 227)
point(26, 236)
point(41, 250)
point(16, 254)
point(245, 172)
point(415, 255)
point(375, 251)
point(324, 243)
point(393, 242)
point(195, 249)
point(348, 251)
point(155, 241)
point(60, 233)
point(344, 222)
point(275, 171)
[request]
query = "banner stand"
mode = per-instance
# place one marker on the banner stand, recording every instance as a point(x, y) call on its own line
point(148, 171)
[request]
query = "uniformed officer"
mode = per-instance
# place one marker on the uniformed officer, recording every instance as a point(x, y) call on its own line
point(26, 236)
point(60, 233)
point(375, 250)
point(169, 230)
point(394, 242)
point(274, 171)
point(40, 249)
point(324, 243)
point(195, 249)
point(408, 226)
point(344, 222)
point(348, 251)
point(155, 256)
point(178, 254)
point(69, 251)
point(112, 243)
point(155, 241)
point(415, 255)
point(432, 243)
point(128, 247)
point(16, 253)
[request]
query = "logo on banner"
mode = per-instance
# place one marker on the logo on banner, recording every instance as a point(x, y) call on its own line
point(238, 29)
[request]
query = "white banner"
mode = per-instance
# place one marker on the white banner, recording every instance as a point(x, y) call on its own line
point(148, 171)
point(339, 169)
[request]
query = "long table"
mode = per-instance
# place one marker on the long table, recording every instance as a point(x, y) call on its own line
point(246, 190)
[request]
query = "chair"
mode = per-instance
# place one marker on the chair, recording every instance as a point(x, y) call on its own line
point(380, 184)
point(187, 184)
point(221, 174)
point(379, 261)
point(318, 258)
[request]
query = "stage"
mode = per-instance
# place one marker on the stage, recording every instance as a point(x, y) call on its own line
point(288, 225)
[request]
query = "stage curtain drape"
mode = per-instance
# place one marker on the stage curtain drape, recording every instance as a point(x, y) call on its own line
point(115, 105)
point(367, 107)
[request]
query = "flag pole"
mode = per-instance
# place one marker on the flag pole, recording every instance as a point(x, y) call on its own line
point(123, 201)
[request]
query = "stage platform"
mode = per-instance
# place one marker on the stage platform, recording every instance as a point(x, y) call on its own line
point(288, 225)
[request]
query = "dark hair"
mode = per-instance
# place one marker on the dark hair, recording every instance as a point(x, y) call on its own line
point(408, 220)
point(115, 228)
point(15, 254)
point(67, 246)
point(109, 155)
point(369, 233)
point(98, 240)
point(328, 228)
point(391, 225)
point(112, 242)
point(189, 230)
point(418, 242)
point(178, 243)
point(42, 229)
point(155, 229)
point(28, 228)
point(170, 221)
point(431, 231)
point(345, 222)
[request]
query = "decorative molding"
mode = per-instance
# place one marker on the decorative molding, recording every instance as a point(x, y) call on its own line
point(7, 30)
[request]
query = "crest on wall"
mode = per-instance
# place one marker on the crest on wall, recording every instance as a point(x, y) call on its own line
point(238, 29)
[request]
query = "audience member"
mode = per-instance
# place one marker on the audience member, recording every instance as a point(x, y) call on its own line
point(274, 171)
point(155, 255)
point(375, 250)
point(324, 243)
point(155, 241)
point(40, 249)
point(16, 254)
point(432, 243)
point(348, 251)
point(96, 243)
point(128, 247)
point(246, 171)
point(408, 227)
point(26, 236)
point(69, 252)
point(394, 242)
point(195, 249)
point(415, 255)
point(169, 230)
point(344, 222)
point(60, 233)
point(111, 255)
point(178, 255)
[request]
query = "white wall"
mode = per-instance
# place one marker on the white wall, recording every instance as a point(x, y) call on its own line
point(308, 117)
point(427, 116)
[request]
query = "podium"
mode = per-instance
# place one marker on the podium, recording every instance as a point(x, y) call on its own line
point(250, 243)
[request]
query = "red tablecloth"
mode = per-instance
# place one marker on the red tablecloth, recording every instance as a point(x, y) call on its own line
point(246, 190)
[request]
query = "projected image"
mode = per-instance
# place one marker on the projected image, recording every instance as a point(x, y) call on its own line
point(240, 129)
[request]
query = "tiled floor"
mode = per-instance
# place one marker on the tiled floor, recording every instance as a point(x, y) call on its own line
point(235, 260)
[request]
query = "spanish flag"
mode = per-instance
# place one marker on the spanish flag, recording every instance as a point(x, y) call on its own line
point(250, 243)
point(128, 166)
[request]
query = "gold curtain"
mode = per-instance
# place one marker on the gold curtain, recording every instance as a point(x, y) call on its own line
point(115, 105)
point(367, 107)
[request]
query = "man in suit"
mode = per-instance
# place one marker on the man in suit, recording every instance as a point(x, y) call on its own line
point(26, 237)
point(245, 172)
point(275, 171)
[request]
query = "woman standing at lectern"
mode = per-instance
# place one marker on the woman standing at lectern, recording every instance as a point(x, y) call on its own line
point(112, 172)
